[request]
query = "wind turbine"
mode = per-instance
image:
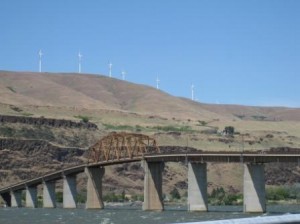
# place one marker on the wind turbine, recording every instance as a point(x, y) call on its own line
point(79, 62)
point(157, 82)
point(123, 74)
point(192, 89)
point(109, 66)
point(40, 60)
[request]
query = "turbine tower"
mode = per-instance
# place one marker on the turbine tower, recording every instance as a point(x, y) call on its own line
point(123, 74)
point(157, 82)
point(192, 89)
point(109, 66)
point(40, 60)
point(79, 62)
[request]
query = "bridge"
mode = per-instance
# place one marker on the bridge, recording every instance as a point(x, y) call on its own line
point(120, 148)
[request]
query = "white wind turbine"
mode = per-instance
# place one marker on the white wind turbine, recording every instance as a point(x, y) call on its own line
point(192, 89)
point(40, 60)
point(123, 74)
point(157, 82)
point(79, 62)
point(109, 67)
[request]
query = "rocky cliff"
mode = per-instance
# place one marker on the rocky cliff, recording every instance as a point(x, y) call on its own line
point(58, 123)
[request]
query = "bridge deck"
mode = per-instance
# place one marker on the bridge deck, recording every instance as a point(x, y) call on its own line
point(233, 157)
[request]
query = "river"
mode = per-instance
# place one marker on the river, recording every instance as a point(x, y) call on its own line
point(127, 214)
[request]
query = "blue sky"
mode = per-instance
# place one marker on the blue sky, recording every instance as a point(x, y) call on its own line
point(234, 52)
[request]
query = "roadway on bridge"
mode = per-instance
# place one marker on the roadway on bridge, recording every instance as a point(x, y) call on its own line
point(203, 157)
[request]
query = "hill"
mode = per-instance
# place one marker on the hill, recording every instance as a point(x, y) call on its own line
point(47, 99)
point(92, 92)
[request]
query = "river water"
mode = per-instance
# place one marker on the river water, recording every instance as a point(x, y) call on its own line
point(127, 214)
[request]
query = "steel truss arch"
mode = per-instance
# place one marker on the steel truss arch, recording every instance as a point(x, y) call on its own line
point(116, 146)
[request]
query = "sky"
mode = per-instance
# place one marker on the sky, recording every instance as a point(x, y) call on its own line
point(233, 52)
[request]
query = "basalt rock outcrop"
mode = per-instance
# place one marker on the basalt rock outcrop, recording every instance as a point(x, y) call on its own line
point(58, 123)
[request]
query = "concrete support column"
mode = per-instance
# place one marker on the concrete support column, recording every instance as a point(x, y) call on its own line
point(7, 198)
point(254, 188)
point(16, 198)
point(69, 191)
point(153, 186)
point(197, 187)
point(94, 187)
point(31, 196)
point(49, 194)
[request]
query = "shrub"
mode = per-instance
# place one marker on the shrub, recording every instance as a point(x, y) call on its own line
point(83, 118)
point(172, 128)
point(137, 197)
point(218, 196)
point(7, 131)
point(259, 118)
point(81, 198)
point(138, 128)
point(11, 89)
point(229, 130)
point(202, 123)
point(17, 109)
point(59, 197)
point(175, 193)
point(240, 116)
point(277, 193)
point(112, 197)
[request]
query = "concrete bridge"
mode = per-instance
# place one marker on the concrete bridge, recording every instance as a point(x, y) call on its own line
point(153, 163)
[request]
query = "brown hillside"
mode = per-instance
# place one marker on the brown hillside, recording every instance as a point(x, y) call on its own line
point(101, 92)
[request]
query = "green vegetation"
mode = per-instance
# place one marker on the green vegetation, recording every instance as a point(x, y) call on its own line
point(7, 131)
point(259, 118)
point(11, 89)
point(277, 193)
point(36, 133)
point(39, 201)
point(202, 123)
point(81, 197)
point(27, 114)
point(283, 193)
point(229, 130)
point(59, 197)
point(120, 127)
point(240, 116)
point(274, 194)
point(218, 196)
point(112, 197)
point(137, 197)
point(15, 108)
point(173, 128)
point(175, 193)
point(139, 128)
point(83, 118)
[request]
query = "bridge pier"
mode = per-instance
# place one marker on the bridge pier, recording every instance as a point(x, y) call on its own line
point(94, 187)
point(31, 196)
point(16, 198)
point(69, 191)
point(153, 199)
point(49, 194)
point(254, 188)
point(197, 187)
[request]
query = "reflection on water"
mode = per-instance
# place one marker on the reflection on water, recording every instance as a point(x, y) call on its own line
point(125, 214)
